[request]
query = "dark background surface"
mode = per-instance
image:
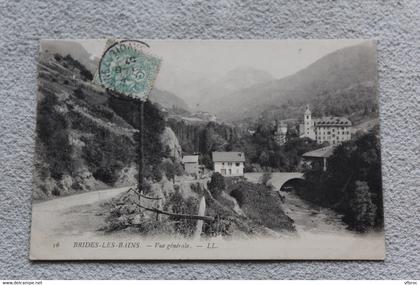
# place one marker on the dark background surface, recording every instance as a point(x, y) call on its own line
point(393, 23)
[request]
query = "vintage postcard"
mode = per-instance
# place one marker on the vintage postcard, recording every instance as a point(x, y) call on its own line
point(207, 150)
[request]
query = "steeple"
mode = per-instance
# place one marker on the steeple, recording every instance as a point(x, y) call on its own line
point(307, 111)
point(307, 117)
point(309, 130)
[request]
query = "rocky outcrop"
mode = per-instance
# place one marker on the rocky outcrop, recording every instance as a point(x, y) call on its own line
point(170, 141)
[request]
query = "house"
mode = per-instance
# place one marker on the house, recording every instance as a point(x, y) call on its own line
point(190, 163)
point(317, 158)
point(333, 130)
point(229, 163)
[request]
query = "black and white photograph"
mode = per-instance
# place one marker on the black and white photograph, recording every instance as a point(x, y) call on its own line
point(207, 149)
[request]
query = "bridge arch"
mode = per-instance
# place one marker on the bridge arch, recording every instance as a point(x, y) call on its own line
point(279, 179)
point(291, 184)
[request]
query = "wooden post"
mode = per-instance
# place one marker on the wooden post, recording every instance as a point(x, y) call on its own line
point(173, 176)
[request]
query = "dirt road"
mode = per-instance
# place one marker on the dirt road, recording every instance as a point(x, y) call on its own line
point(72, 215)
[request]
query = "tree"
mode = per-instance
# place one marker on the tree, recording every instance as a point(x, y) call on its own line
point(352, 183)
point(53, 132)
point(179, 170)
point(265, 179)
point(217, 184)
point(167, 166)
point(364, 210)
point(264, 159)
point(206, 160)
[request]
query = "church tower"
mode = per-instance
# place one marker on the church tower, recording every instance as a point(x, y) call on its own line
point(308, 124)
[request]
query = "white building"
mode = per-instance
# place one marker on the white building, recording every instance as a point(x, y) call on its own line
point(229, 163)
point(333, 130)
point(280, 133)
point(190, 163)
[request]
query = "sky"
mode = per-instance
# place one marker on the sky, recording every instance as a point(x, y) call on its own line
point(184, 61)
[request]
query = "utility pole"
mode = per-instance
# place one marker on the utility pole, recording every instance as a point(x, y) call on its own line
point(126, 68)
point(141, 150)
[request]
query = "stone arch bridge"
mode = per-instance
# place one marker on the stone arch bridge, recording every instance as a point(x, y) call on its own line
point(278, 178)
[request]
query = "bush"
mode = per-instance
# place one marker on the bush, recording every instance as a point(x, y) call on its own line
point(179, 205)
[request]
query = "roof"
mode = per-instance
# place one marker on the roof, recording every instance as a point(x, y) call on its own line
point(190, 159)
point(332, 121)
point(320, 152)
point(229, 156)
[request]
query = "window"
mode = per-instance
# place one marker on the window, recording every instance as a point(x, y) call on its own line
point(307, 117)
point(223, 163)
point(223, 171)
point(237, 164)
point(230, 171)
point(229, 163)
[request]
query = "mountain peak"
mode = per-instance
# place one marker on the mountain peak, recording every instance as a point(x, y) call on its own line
point(331, 75)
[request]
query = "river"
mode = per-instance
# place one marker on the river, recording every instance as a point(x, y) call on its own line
point(307, 216)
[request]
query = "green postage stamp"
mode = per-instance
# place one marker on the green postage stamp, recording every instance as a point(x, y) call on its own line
point(126, 68)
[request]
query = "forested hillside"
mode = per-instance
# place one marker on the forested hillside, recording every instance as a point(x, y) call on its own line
point(87, 136)
point(340, 83)
point(204, 138)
